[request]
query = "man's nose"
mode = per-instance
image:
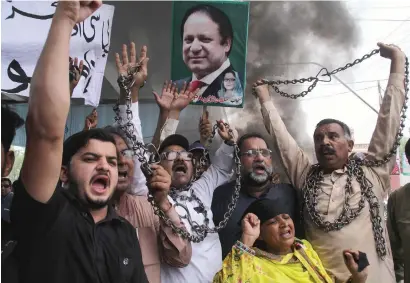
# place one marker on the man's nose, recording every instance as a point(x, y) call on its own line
point(103, 165)
point(259, 157)
point(196, 46)
point(179, 157)
point(121, 159)
point(326, 140)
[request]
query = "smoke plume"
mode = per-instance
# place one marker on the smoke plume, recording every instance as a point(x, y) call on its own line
point(282, 32)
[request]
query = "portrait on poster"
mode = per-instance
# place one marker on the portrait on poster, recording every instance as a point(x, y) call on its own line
point(209, 44)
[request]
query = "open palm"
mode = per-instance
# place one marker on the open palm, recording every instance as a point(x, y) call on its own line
point(169, 92)
point(130, 64)
point(184, 97)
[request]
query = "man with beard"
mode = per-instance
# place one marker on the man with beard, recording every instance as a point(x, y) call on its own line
point(257, 183)
point(196, 200)
point(72, 234)
point(344, 199)
point(158, 242)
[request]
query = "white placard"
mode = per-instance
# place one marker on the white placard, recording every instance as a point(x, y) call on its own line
point(24, 28)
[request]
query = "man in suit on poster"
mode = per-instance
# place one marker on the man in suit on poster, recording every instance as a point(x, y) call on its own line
point(207, 36)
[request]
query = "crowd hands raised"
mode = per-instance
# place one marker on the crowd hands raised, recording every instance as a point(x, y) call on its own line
point(81, 214)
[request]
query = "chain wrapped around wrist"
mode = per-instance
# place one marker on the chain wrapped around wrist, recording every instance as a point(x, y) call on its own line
point(199, 232)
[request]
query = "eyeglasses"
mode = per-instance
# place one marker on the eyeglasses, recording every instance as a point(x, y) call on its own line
point(229, 80)
point(172, 155)
point(254, 152)
point(5, 186)
point(127, 153)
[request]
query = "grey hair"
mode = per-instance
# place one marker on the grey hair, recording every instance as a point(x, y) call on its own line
point(346, 129)
point(117, 131)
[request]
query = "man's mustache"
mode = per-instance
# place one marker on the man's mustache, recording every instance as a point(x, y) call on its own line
point(327, 149)
point(262, 165)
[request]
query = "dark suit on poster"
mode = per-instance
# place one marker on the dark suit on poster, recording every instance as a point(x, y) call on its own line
point(212, 89)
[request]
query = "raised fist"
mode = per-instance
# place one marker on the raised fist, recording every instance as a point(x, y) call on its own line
point(76, 11)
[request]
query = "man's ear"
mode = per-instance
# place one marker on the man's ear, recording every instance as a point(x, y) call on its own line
point(64, 174)
point(350, 145)
point(8, 166)
point(227, 45)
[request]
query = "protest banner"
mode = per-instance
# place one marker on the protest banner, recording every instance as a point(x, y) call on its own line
point(25, 27)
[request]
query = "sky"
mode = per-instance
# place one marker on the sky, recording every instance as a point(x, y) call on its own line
point(385, 21)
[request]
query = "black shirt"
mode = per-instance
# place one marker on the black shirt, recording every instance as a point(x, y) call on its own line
point(59, 242)
point(232, 232)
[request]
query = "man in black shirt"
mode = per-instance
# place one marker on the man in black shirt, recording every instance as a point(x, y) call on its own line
point(10, 122)
point(256, 184)
point(69, 233)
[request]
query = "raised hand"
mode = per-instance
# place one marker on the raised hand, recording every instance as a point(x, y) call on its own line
point(125, 64)
point(390, 51)
point(75, 73)
point(91, 121)
point(205, 127)
point(350, 256)
point(77, 11)
point(250, 229)
point(159, 185)
point(169, 93)
point(225, 133)
point(184, 97)
point(262, 91)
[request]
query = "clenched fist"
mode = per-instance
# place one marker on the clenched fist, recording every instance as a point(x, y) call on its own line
point(76, 11)
point(159, 185)
point(251, 226)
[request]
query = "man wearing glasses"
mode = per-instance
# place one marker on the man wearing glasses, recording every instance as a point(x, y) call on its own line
point(196, 200)
point(257, 183)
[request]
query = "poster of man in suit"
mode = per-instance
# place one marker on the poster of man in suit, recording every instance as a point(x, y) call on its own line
point(209, 50)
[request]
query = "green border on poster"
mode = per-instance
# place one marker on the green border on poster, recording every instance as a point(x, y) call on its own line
point(173, 30)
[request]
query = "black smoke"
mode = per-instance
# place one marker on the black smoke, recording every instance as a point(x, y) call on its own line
point(278, 32)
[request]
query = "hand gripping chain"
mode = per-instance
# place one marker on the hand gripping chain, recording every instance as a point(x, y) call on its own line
point(140, 150)
point(325, 73)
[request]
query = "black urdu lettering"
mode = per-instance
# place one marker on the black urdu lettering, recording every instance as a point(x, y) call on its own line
point(93, 18)
point(29, 15)
point(105, 47)
point(87, 84)
point(76, 30)
point(21, 77)
point(90, 65)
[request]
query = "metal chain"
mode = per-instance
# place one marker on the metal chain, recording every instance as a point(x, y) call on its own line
point(238, 180)
point(140, 150)
point(314, 80)
point(310, 202)
point(203, 161)
point(399, 135)
point(311, 186)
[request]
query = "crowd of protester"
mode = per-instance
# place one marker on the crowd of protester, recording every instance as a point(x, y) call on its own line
point(79, 212)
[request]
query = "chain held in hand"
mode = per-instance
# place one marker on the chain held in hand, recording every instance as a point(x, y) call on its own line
point(325, 73)
point(142, 153)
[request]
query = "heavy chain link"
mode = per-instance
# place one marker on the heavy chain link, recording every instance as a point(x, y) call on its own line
point(311, 192)
point(311, 187)
point(140, 150)
point(238, 180)
point(314, 80)
point(399, 135)
point(325, 73)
